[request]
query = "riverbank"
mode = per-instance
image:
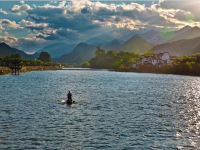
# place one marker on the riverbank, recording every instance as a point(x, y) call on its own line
point(188, 68)
point(6, 70)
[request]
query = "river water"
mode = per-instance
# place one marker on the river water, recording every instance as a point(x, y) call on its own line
point(113, 111)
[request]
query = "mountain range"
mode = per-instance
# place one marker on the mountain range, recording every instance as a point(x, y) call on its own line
point(159, 37)
point(185, 41)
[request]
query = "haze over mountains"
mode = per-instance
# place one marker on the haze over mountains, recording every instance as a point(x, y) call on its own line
point(136, 44)
point(58, 49)
point(6, 50)
point(163, 36)
point(81, 53)
point(185, 41)
point(180, 48)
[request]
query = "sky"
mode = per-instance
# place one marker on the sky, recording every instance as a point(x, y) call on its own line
point(32, 25)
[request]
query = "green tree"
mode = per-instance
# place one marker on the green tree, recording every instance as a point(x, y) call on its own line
point(100, 52)
point(112, 53)
point(45, 57)
point(148, 53)
point(86, 65)
point(14, 62)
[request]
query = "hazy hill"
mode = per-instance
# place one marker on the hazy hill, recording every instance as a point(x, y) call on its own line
point(98, 41)
point(112, 45)
point(110, 36)
point(153, 36)
point(6, 50)
point(136, 44)
point(162, 36)
point(186, 33)
point(80, 54)
point(56, 50)
point(180, 48)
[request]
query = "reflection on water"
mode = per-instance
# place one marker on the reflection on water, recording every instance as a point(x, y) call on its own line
point(114, 111)
point(188, 107)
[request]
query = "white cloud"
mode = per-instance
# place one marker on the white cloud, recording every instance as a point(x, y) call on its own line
point(21, 8)
point(31, 43)
point(121, 23)
point(5, 23)
point(187, 5)
point(12, 41)
point(50, 9)
point(3, 11)
point(30, 24)
point(49, 31)
point(131, 15)
point(90, 12)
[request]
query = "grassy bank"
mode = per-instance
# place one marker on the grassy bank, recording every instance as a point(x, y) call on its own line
point(15, 62)
point(39, 68)
point(6, 70)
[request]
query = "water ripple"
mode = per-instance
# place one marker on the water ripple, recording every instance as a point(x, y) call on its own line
point(114, 111)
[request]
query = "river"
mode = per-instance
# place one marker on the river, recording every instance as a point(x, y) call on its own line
point(113, 111)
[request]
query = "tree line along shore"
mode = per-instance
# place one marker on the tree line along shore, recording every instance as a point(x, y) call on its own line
point(15, 62)
point(130, 62)
point(111, 60)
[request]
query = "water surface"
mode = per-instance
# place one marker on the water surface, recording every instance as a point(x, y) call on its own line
point(114, 111)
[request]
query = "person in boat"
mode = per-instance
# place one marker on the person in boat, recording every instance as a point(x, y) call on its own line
point(69, 98)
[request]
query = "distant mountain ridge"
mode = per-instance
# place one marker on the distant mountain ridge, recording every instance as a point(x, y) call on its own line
point(81, 53)
point(56, 50)
point(112, 45)
point(84, 52)
point(185, 41)
point(6, 50)
point(105, 39)
point(180, 48)
point(186, 33)
point(139, 42)
point(162, 36)
point(136, 44)
point(153, 37)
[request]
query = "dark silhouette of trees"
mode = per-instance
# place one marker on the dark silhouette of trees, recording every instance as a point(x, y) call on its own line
point(1, 62)
point(14, 62)
point(45, 57)
point(113, 60)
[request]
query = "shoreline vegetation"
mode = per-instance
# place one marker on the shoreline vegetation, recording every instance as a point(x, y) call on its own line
point(6, 70)
point(107, 60)
point(14, 64)
point(128, 62)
